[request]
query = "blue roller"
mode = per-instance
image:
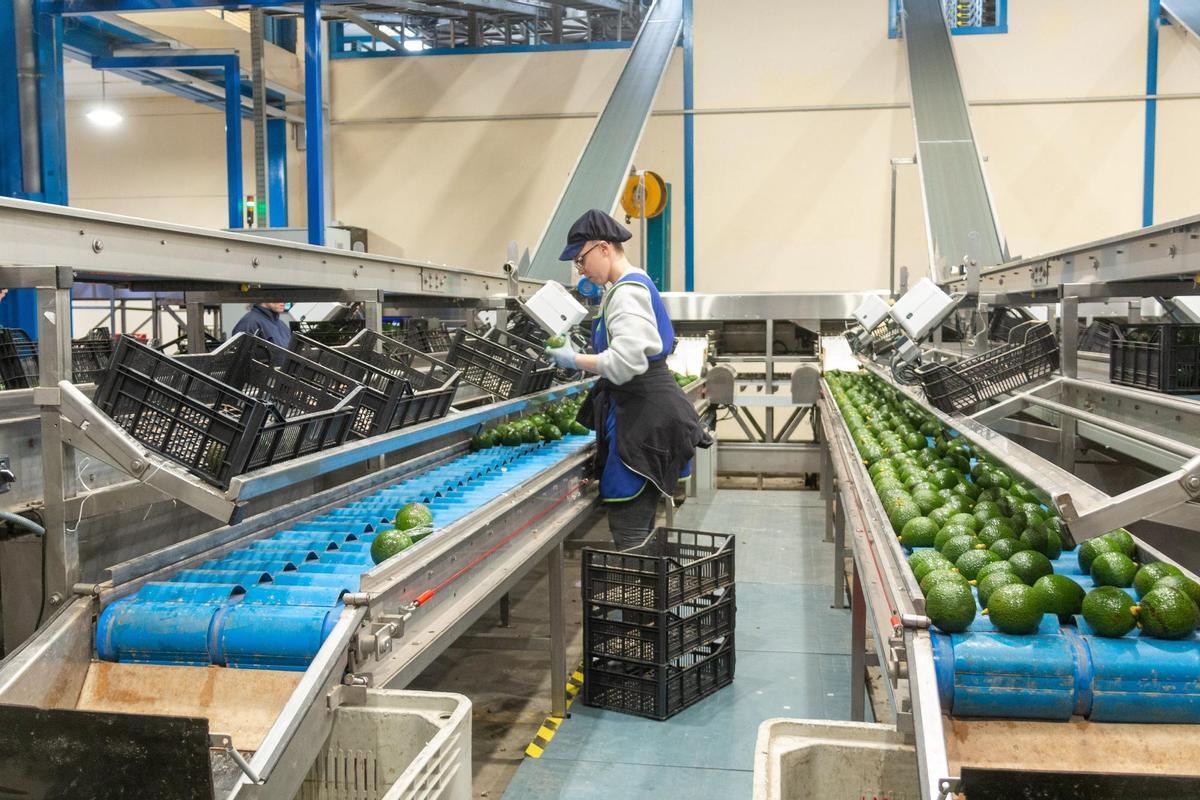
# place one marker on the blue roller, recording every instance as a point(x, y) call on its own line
point(334, 527)
point(228, 576)
point(269, 636)
point(1000, 675)
point(280, 550)
point(314, 540)
point(279, 594)
point(345, 581)
point(1140, 679)
point(346, 558)
point(318, 568)
point(182, 592)
point(246, 560)
point(157, 631)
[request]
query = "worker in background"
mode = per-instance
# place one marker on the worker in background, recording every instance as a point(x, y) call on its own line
point(266, 320)
point(646, 430)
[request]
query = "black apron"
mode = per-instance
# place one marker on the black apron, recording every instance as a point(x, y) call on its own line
point(658, 429)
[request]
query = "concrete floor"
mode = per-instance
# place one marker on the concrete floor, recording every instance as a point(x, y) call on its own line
point(792, 661)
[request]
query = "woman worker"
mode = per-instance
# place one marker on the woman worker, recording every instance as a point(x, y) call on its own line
point(646, 430)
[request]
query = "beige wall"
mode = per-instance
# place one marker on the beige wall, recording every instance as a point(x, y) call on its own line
point(165, 161)
point(448, 158)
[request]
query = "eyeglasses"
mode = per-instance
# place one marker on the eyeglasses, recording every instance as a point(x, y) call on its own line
point(579, 258)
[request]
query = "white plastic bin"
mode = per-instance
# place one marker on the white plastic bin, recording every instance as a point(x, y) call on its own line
point(400, 745)
point(799, 759)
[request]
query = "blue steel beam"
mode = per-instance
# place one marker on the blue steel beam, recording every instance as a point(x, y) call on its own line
point(277, 193)
point(1148, 156)
point(689, 153)
point(314, 123)
point(233, 105)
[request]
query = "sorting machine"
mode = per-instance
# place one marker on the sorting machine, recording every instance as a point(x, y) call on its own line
point(196, 640)
point(1061, 712)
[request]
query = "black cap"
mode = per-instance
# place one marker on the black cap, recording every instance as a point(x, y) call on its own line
point(593, 226)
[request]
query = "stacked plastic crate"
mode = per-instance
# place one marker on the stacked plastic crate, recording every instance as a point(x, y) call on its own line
point(659, 620)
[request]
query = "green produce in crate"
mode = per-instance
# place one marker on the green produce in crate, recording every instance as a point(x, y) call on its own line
point(985, 586)
point(941, 516)
point(970, 562)
point(413, 515)
point(986, 510)
point(1059, 595)
point(388, 543)
point(902, 512)
point(1043, 540)
point(1167, 613)
point(950, 606)
point(968, 520)
point(550, 433)
point(928, 500)
point(481, 441)
point(1030, 565)
point(949, 532)
point(1109, 611)
point(1113, 569)
point(1092, 548)
point(1014, 609)
point(1150, 574)
point(1183, 584)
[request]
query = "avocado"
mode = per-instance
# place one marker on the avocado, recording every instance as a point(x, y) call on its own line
point(1109, 611)
point(985, 586)
point(388, 543)
point(1007, 548)
point(1059, 595)
point(1113, 569)
point(939, 575)
point(1150, 574)
point(971, 561)
point(1014, 609)
point(1123, 540)
point(950, 606)
point(954, 548)
point(1092, 548)
point(413, 515)
point(1030, 565)
point(918, 532)
point(1167, 613)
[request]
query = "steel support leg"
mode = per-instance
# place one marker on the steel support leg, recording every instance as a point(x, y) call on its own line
point(558, 633)
point(839, 554)
point(1069, 365)
point(54, 357)
point(769, 385)
point(858, 651)
point(504, 611)
point(827, 489)
point(195, 326)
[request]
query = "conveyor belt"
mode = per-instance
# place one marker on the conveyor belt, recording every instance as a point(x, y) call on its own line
point(1065, 670)
point(271, 604)
point(600, 174)
point(958, 210)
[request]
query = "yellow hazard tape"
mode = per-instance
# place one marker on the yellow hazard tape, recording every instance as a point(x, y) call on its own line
point(550, 726)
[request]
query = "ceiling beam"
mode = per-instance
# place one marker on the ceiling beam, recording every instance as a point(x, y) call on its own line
point(376, 32)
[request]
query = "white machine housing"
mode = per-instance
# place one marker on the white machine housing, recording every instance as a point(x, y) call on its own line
point(872, 311)
point(553, 307)
point(922, 309)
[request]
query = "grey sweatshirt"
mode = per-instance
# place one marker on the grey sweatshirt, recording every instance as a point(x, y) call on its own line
point(632, 331)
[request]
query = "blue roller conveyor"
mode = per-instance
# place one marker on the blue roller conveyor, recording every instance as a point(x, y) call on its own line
point(272, 603)
point(1067, 670)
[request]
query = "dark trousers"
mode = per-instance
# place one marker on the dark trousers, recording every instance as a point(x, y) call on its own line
point(632, 521)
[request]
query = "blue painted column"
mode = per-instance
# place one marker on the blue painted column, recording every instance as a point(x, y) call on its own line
point(1151, 112)
point(12, 176)
point(689, 154)
point(277, 191)
point(52, 117)
point(314, 123)
point(233, 143)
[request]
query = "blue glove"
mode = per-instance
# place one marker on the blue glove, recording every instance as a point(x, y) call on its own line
point(563, 357)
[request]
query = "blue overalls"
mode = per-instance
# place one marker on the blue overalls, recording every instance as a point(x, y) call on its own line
point(618, 482)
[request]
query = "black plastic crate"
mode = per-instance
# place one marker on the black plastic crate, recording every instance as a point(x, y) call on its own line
point(1031, 353)
point(19, 358)
point(658, 691)
point(246, 361)
point(212, 429)
point(500, 363)
point(1096, 337)
point(327, 331)
point(658, 636)
point(418, 334)
point(433, 381)
point(1161, 358)
point(672, 567)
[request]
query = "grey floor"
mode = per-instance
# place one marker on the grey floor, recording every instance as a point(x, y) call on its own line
point(792, 661)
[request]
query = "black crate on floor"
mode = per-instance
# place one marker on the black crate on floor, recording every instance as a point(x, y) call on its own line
point(1161, 358)
point(672, 567)
point(211, 429)
point(245, 361)
point(1031, 353)
point(329, 331)
point(658, 691)
point(500, 363)
point(658, 637)
point(19, 358)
